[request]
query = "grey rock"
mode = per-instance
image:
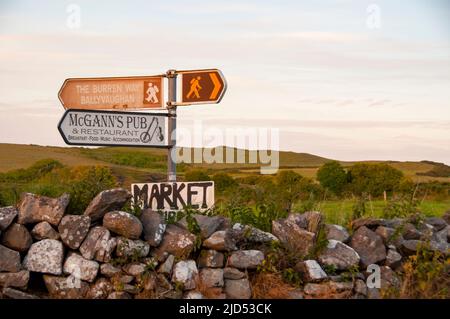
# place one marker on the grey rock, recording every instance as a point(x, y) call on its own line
point(123, 224)
point(410, 232)
point(15, 279)
point(186, 274)
point(221, 240)
point(80, 267)
point(311, 271)
point(177, 241)
point(393, 259)
point(119, 295)
point(211, 277)
point(17, 294)
point(233, 273)
point(44, 230)
point(134, 269)
point(210, 259)
point(329, 290)
point(35, 209)
point(339, 255)
point(360, 287)
point(17, 238)
point(128, 248)
point(45, 256)
point(246, 259)
point(154, 227)
point(131, 289)
point(106, 201)
point(446, 217)
point(369, 222)
point(442, 236)
point(255, 235)
point(9, 259)
point(436, 222)
point(7, 215)
point(208, 225)
point(293, 236)
point(73, 229)
point(108, 270)
point(238, 289)
point(167, 265)
point(385, 233)
point(193, 295)
point(337, 232)
point(100, 289)
point(98, 244)
point(310, 221)
point(66, 287)
point(369, 246)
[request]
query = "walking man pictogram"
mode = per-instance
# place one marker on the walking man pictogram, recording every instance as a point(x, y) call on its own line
point(152, 90)
point(195, 87)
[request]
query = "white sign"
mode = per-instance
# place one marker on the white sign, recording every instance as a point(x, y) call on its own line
point(174, 195)
point(111, 128)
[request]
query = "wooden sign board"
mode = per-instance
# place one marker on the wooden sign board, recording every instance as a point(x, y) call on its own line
point(170, 196)
point(139, 92)
point(114, 128)
point(202, 86)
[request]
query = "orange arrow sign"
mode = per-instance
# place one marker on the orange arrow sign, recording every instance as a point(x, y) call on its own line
point(202, 86)
point(139, 92)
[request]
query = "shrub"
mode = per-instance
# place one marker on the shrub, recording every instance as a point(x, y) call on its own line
point(332, 176)
point(223, 182)
point(196, 175)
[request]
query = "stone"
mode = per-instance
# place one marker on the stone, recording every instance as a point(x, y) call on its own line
point(134, 269)
point(45, 256)
point(295, 294)
point(98, 244)
point(167, 265)
point(7, 215)
point(15, 279)
point(221, 240)
point(131, 289)
point(209, 258)
point(129, 248)
point(9, 259)
point(446, 217)
point(106, 201)
point(246, 259)
point(339, 255)
point(211, 277)
point(119, 295)
point(255, 235)
point(310, 221)
point(123, 224)
point(436, 222)
point(34, 209)
point(17, 294)
point(100, 289)
point(148, 281)
point(125, 279)
point(386, 233)
point(108, 270)
point(193, 295)
point(66, 287)
point(442, 236)
point(295, 238)
point(328, 290)
point(409, 232)
point(185, 273)
point(360, 287)
point(369, 222)
point(238, 289)
point(44, 230)
point(409, 247)
point(177, 241)
point(73, 229)
point(311, 271)
point(337, 232)
point(369, 246)
point(17, 238)
point(80, 267)
point(208, 225)
point(154, 227)
point(393, 259)
point(233, 273)
point(389, 279)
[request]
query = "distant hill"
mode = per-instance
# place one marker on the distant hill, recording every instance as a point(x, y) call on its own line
point(142, 164)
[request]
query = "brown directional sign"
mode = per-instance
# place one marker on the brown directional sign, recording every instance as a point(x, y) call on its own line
point(139, 92)
point(202, 86)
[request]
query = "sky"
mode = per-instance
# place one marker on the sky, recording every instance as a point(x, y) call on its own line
point(343, 79)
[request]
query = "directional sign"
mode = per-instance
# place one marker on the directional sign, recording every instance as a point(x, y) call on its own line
point(173, 195)
point(138, 92)
point(202, 86)
point(113, 128)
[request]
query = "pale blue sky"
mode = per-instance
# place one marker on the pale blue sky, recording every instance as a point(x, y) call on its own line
point(333, 86)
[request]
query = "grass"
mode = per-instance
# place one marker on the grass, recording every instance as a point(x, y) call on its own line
point(340, 211)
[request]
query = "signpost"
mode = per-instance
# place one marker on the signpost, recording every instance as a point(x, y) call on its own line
point(113, 128)
point(87, 122)
point(173, 195)
point(139, 92)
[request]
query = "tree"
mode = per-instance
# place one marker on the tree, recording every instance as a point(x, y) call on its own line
point(332, 176)
point(373, 179)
